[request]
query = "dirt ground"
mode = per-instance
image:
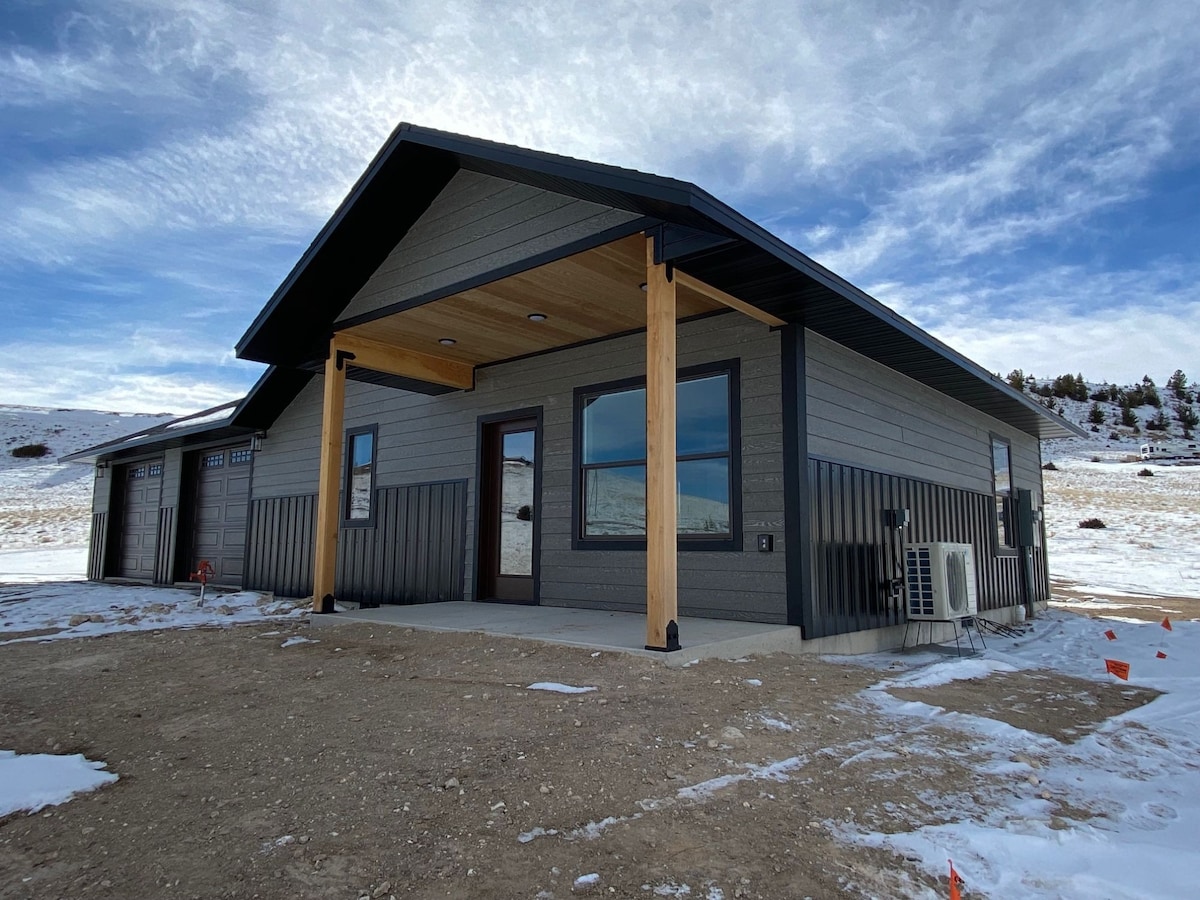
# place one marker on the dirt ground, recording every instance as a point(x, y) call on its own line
point(380, 763)
point(1146, 607)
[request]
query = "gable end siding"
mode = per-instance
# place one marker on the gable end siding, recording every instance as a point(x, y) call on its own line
point(479, 223)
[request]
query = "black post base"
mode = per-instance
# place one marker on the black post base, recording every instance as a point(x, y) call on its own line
point(672, 639)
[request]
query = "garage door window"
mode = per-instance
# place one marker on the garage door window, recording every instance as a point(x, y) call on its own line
point(213, 461)
point(359, 486)
point(155, 469)
point(240, 457)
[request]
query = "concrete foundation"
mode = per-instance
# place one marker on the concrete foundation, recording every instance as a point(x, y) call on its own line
point(626, 632)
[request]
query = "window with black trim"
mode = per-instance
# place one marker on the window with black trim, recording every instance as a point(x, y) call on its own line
point(1002, 488)
point(359, 485)
point(611, 454)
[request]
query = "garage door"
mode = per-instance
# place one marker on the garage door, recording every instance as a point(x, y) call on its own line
point(222, 479)
point(139, 519)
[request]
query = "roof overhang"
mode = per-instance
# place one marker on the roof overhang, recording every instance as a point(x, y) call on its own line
point(697, 234)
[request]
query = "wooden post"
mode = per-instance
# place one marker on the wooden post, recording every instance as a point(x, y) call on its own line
point(661, 511)
point(330, 484)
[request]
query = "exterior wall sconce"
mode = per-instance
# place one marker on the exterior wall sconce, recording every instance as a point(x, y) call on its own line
point(256, 441)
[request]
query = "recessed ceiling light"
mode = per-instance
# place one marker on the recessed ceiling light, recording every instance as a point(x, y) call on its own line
point(447, 342)
point(537, 317)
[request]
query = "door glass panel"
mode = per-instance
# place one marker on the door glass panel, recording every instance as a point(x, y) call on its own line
point(516, 503)
point(362, 466)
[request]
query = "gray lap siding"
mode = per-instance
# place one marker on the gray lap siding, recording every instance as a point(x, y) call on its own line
point(878, 440)
point(433, 439)
point(475, 226)
point(867, 415)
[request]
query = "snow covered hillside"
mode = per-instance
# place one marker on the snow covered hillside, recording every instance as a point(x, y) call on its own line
point(1147, 546)
point(45, 505)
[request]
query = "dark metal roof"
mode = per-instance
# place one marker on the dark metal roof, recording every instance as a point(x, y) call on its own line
point(257, 411)
point(176, 433)
point(712, 242)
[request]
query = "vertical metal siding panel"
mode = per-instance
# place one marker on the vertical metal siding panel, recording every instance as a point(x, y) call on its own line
point(433, 548)
point(828, 512)
point(394, 561)
point(163, 543)
point(97, 546)
point(287, 541)
point(457, 569)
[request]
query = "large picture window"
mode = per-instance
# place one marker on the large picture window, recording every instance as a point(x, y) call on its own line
point(611, 452)
point(1003, 490)
point(359, 486)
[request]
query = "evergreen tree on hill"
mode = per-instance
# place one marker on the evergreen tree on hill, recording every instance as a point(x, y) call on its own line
point(1177, 385)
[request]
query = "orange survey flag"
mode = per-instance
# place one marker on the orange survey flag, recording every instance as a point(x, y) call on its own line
point(1118, 668)
point(1160, 655)
point(955, 881)
point(1166, 623)
point(1110, 634)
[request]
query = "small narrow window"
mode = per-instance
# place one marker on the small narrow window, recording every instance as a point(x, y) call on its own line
point(155, 469)
point(1002, 488)
point(139, 472)
point(213, 461)
point(360, 476)
point(240, 457)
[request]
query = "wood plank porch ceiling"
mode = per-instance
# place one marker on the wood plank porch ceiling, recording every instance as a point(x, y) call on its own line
point(592, 294)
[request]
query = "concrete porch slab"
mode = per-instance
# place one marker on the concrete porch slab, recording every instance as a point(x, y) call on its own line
point(588, 628)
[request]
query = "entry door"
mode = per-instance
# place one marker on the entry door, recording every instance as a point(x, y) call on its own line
point(509, 482)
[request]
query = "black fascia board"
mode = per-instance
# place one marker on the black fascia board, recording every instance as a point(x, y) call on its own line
point(471, 151)
point(275, 389)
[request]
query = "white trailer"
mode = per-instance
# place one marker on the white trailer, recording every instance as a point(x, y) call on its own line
point(1171, 450)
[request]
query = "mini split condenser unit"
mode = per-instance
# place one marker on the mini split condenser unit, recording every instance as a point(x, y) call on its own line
point(941, 581)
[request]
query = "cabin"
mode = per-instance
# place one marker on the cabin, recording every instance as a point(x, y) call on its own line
point(500, 375)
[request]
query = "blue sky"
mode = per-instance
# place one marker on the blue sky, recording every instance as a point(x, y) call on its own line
point(1021, 179)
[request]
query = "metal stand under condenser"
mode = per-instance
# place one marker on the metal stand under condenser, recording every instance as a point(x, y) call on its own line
point(967, 623)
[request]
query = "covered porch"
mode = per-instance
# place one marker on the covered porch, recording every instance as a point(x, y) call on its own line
point(613, 284)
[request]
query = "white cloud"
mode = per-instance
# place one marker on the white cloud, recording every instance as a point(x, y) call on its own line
point(962, 130)
point(1109, 326)
point(153, 371)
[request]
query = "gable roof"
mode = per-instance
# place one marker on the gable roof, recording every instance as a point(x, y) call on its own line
point(706, 238)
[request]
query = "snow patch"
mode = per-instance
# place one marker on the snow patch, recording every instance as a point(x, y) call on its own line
point(32, 781)
point(558, 688)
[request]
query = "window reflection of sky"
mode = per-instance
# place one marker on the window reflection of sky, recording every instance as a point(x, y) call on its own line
point(362, 447)
point(519, 445)
point(614, 425)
